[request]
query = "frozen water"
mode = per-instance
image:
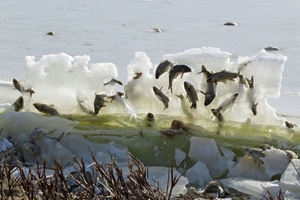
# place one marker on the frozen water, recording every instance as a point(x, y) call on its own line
point(60, 80)
point(247, 168)
point(198, 174)
point(251, 186)
point(276, 161)
point(228, 153)
point(14, 123)
point(290, 179)
point(206, 151)
point(179, 156)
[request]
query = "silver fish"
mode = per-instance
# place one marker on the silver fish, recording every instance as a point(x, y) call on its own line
point(255, 154)
point(175, 71)
point(162, 68)
point(138, 75)
point(47, 109)
point(161, 96)
point(120, 94)
point(32, 148)
point(217, 113)
point(191, 93)
point(214, 187)
point(254, 108)
point(210, 94)
point(113, 81)
point(222, 76)
point(253, 105)
point(290, 125)
point(206, 73)
point(291, 155)
point(99, 102)
point(250, 82)
point(39, 132)
point(18, 104)
point(84, 106)
point(229, 102)
point(21, 88)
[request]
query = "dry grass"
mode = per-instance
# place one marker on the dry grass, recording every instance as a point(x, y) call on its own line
point(108, 182)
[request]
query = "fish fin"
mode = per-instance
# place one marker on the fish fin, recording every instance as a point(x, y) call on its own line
point(202, 92)
point(161, 88)
point(179, 96)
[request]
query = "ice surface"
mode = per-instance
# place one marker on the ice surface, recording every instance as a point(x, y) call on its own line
point(179, 156)
point(248, 169)
point(290, 179)
point(80, 147)
point(198, 174)
point(228, 153)
point(60, 79)
point(276, 161)
point(206, 151)
point(251, 186)
point(14, 123)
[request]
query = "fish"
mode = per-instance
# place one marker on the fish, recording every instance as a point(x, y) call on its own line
point(290, 125)
point(256, 154)
point(32, 148)
point(18, 104)
point(138, 75)
point(229, 102)
point(84, 106)
point(222, 76)
point(39, 132)
point(161, 96)
point(47, 109)
point(21, 88)
point(120, 94)
point(191, 93)
point(253, 105)
point(214, 187)
point(205, 72)
point(250, 82)
point(99, 102)
point(163, 67)
point(175, 71)
point(210, 94)
point(242, 80)
point(217, 113)
point(254, 108)
point(224, 106)
point(150, 117)
point(113, 81)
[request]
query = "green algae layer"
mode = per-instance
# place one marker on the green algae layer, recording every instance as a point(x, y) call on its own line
point(147, 139)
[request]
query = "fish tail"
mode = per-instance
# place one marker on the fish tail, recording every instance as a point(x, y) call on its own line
point(166, 106)
point(194, 106)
